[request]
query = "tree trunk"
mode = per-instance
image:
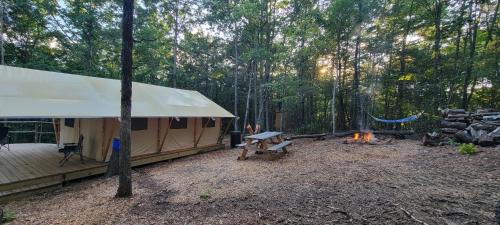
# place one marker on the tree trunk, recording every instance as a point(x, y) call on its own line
point(470, 61)
point(492, 26)
point(236, 74)
point(125, 181)
point(355, 106)
point(456, 66)
point(176, 36)
point(438, 6)
point(247, 108)
point(2, 49)
point(355, 111)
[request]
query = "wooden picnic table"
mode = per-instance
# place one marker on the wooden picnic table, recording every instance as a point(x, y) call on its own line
point(262, 141)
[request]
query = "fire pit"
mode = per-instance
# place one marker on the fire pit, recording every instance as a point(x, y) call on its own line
point(363, 137)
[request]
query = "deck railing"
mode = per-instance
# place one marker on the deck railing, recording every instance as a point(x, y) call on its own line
point(31, 130)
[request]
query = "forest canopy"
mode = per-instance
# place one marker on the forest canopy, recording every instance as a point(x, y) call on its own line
point(266, 58)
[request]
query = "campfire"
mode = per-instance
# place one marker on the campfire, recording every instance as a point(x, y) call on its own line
point(363, 137)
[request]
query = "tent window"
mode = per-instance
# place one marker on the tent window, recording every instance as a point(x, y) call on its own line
point(211, 122)
point(139, 124)
point(182, 123)
point(69, 122)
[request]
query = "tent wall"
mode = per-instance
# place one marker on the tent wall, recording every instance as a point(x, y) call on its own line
point(90, 129)
point(178, 138)
point(98, 135)
point(210, 135)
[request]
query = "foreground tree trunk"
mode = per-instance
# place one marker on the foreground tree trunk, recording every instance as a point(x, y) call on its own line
point(356, 104)
point(438, 7)
point(176, 36)
point(125, 184)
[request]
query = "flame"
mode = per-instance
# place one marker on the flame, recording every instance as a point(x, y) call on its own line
point(356, 136)
point(367, 137)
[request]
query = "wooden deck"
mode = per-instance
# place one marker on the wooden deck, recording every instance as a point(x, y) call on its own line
point(28, 167)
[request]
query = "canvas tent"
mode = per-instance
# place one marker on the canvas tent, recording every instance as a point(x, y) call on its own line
point(164, 119)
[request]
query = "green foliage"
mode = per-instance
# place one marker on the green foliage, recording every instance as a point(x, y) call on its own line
point(280, 43)
point(8, 217)
point(206, 194)
point(467, 149)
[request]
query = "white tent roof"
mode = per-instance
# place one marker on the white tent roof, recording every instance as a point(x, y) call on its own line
point(41, 94)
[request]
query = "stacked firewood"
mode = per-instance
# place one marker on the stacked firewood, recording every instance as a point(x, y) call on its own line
point(481, 127)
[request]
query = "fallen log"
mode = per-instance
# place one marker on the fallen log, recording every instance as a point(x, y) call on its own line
point(492, 118)
point(316, 136)
point(456, 125)
point(449, 130)
point(453, 111)
point(483, 126)
point(485, 140)
point(458, 116)
point(431, 139)
point(463, 137)
point(345, 133)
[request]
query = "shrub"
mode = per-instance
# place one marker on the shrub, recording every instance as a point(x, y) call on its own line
point(467, 149)
point(8, 216)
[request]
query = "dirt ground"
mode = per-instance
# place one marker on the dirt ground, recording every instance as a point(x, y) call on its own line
point(318, 182)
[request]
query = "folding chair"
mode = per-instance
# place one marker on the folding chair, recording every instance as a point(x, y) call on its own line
point(4, 138)
point(71, 149)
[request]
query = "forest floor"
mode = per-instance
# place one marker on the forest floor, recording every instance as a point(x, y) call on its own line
point(318, 182)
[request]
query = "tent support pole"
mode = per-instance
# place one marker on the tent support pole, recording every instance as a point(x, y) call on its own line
point(201, 133)
point(165, 135)
point(194, 132)
point(104, 140)
point(221, 137)
point(158, 133)
point(56, 130)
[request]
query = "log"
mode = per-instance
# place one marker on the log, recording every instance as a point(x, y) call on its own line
point(431, 139)
point(456, 125)
point(345, 133)
point(463, 137)
point(317, 136)
point(476, 134)
point(495, 133)
point(447, 112)
point(492, 118)
point(449, 130)
point(485, 140)
point(458, 116)
point(483, 126)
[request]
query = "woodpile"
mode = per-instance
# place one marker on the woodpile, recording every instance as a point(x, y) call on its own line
point(481, 128)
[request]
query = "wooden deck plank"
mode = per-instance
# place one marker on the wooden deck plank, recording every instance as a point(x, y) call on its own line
point(22, 168)
point(9, 168)
point(44, 159)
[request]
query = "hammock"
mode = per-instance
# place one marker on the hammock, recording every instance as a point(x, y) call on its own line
point(403, 120)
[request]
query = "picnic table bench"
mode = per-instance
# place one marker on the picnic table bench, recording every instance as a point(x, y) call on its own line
point(261, 140)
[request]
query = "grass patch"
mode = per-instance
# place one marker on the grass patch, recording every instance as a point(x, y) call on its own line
point(8, 216)
point(206, 194)
point(467, 149)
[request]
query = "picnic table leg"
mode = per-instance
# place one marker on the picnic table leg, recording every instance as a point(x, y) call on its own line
point(284, 148)
point(243, 155)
